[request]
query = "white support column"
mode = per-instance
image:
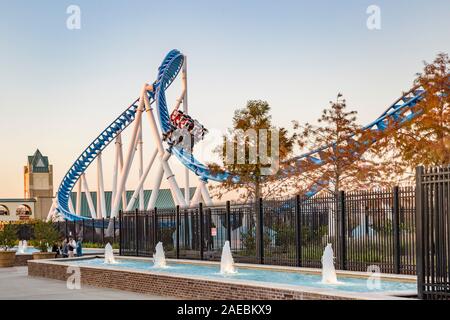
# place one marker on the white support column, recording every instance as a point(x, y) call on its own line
point(187, 196)
point(141, 183)
point(118, 147)
point(141, 169)
point(78, 204)
point(100, 188)
point(156, 186)
point(197, 197)
point(130, 155)
point(124, 193)
point(176, 192)
point(88, 196)
point(71, 205)
point(52, 212)
point(205, 193)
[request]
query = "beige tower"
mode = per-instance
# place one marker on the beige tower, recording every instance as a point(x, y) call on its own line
point(38, 183)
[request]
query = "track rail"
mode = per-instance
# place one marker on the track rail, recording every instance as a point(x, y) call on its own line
point(400, 112)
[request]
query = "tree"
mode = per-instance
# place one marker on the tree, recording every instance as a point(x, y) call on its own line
point(247, 133)
point(426, 140)
point(344, 167)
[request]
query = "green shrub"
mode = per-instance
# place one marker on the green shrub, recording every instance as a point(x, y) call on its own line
point(8, 236)
point(285, 237)
point(249, 241)
point(166, 238)
point(45, 235)
point(96, 245)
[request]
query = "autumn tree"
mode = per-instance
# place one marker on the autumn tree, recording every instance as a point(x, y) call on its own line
point(426, 139)
point(344, 166)
point(253, 131)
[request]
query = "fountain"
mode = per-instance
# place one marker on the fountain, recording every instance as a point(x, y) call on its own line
point(109, 255)
point(20, 247)
point(328, 270)
point(227, 262)
point(159, 258)
point(23, 245)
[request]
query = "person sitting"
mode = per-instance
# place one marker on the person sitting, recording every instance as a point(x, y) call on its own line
point(79, 247)
point(65, 249)
point(55, 249)
point(71, 246)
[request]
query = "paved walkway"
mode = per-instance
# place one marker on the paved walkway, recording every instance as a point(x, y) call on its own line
point(16, 285)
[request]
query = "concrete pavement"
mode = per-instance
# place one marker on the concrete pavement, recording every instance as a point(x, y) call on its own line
point(16, 285)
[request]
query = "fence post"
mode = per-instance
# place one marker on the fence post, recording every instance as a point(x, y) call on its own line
point(342, 231)
point(228, 218)
point(136, 232)
point(298, 231)
point(93, 230)
point(178, 232)
point(200, 207)
point(396, 229)
point(120, 231)
point(155, 227)
point(261, 231)
point(420, 233)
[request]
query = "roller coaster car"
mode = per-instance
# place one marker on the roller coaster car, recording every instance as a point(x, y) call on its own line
point(181, 121)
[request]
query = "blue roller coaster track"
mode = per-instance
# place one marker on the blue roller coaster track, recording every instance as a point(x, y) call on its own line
point(398, 113)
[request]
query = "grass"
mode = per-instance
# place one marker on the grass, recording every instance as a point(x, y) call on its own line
point(95, 245)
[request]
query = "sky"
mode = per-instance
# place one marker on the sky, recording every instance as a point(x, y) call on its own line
point(59, 88)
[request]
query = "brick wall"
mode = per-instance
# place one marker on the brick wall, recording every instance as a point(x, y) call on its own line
point(21, 259)
point(171, 286)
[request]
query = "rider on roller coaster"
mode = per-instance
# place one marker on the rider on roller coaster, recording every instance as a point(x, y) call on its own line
point(183, 122)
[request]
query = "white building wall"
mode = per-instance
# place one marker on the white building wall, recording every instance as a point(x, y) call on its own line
point(12, 205)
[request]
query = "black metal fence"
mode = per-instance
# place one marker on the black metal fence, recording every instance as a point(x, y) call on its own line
point(365, 228)
point(433, 233)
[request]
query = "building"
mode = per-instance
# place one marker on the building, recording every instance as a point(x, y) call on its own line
point(38, 192)
point(38, 177)
point(38, 183)
point(17, 209)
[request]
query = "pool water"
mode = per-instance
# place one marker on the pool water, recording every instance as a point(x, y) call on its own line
point(28, 250)
point(348, 284)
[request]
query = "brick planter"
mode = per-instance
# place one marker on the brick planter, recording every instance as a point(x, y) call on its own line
point(22, 259)
point(7, 259)
point(43, 255)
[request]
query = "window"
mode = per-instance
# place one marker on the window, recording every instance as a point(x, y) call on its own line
point(4, 211)
point(23, 210)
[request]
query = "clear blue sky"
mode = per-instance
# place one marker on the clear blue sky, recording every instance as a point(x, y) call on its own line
point(60, 88)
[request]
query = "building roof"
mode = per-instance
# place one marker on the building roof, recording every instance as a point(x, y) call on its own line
point(17, 200)
point(38, 162)
point(163, 201)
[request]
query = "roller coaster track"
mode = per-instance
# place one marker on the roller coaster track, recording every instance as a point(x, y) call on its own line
point(398, 113)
